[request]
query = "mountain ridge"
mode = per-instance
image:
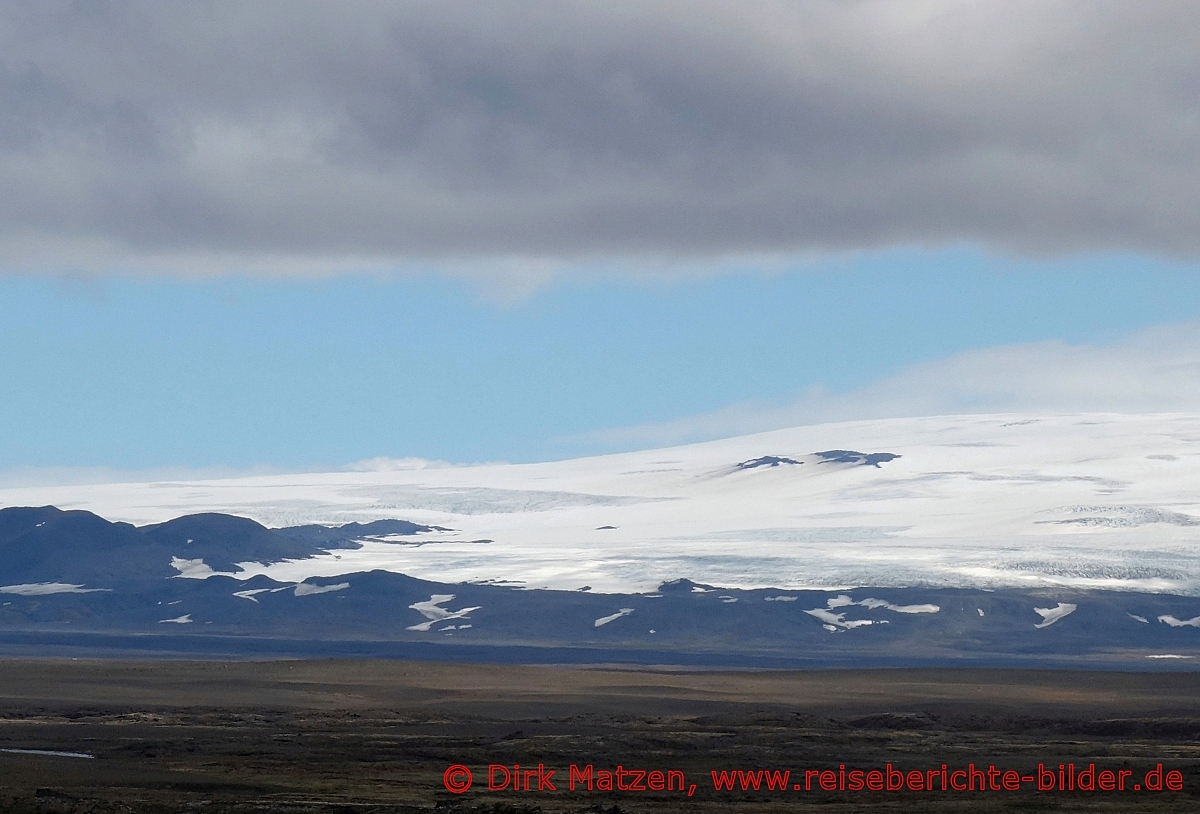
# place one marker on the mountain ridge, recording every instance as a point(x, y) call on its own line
point(129, 602)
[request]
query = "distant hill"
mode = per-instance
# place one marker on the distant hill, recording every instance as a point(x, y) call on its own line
point(71, 581)
point(47, 544)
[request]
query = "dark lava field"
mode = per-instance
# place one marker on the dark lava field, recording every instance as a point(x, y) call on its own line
point(380, 736)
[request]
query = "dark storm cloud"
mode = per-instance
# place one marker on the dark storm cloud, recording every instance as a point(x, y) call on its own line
point(426, 131)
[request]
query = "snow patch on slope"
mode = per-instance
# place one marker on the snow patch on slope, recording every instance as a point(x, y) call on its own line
point(1173, 622)
point(836, 622)
point(433, 612)
point(186, 619)
point(1052, 615)
point(48, 588)
point(253, 592)
point(304, 589)
point(195, 569)
point(604, 620)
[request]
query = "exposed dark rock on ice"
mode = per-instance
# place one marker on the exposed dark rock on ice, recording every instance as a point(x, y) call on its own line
point(849, 456)
point(767, 460)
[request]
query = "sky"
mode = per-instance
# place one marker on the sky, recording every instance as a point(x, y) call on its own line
point(272, 235)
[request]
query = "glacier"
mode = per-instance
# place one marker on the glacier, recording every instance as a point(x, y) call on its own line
point(1081, 501)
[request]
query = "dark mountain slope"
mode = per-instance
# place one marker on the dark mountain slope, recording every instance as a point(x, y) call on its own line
point(139, 602)
point(223, 540)
point(46, 544)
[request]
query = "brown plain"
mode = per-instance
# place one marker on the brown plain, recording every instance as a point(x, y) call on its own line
point(377, 735)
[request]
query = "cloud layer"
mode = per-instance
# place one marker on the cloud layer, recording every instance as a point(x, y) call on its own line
point(313, 135)
point(1155, 371)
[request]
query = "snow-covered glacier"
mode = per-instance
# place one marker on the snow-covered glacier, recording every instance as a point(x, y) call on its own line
point(1088, 501)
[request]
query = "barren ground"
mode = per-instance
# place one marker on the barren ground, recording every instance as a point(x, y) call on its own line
point(302, 736)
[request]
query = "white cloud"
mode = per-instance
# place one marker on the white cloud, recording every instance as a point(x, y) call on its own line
point(1154, 371)
point(186, 619)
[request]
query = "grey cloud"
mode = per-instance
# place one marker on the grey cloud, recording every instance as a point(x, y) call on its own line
point(421, 132)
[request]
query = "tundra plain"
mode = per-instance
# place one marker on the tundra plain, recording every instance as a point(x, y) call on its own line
point(377, 736)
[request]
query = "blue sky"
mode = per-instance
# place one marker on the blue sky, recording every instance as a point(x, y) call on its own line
point(233, 237)
point(241, 371)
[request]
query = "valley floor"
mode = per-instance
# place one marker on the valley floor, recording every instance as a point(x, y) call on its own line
point(343, 735)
